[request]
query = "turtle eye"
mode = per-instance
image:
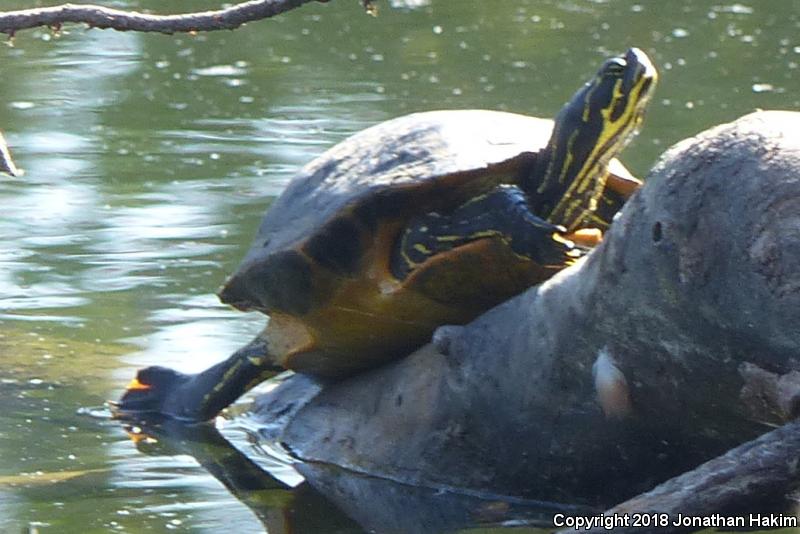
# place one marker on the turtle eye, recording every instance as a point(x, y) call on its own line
point(614, 66)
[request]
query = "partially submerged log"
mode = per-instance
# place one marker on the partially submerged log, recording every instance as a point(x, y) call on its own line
point(333, 499)
point(648, 358)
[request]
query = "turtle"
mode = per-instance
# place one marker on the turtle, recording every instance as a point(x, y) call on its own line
point(421, 221)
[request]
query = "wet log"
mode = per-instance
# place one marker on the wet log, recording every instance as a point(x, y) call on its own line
point(674, 341)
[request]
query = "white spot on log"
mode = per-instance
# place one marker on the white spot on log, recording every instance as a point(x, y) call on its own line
point(611, 386)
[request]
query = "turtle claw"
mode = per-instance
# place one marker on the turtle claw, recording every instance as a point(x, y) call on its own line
point(155, 391)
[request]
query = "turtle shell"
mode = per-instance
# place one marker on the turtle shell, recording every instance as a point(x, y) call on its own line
point(319, 262)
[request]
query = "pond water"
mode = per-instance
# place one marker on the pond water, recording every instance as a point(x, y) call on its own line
point(150, 159)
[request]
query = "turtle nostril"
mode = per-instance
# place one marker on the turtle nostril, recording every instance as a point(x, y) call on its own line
point(657, 232)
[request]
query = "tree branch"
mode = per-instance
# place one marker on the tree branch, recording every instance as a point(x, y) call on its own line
point(116, 19)
point(6, 163)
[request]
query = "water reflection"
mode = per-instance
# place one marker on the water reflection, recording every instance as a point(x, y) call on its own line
point(361, 502)
point(150, 160)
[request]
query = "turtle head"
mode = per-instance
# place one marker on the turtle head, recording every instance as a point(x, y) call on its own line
point(590, 130)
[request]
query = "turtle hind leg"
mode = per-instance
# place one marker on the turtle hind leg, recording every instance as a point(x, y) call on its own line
point(159, 391)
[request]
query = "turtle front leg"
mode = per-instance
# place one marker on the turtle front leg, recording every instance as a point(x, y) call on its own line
point(200, 397)
point(503, 213)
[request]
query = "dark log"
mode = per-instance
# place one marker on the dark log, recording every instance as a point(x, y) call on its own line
point(754, 478)
point(108, 18)
point(387, 507)
point(330, 494)
point(684, 312)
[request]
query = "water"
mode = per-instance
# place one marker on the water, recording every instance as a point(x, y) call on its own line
point(149, 160)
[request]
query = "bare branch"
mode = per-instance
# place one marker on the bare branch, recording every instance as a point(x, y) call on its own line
point(6, 163)
point(116, 19)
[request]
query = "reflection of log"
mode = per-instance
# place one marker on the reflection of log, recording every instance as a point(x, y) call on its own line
point(684, 312)
point(332, 494)
point(280, 509)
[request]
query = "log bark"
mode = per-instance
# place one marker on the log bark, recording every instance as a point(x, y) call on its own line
point(108, 18)
point(640, 363)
